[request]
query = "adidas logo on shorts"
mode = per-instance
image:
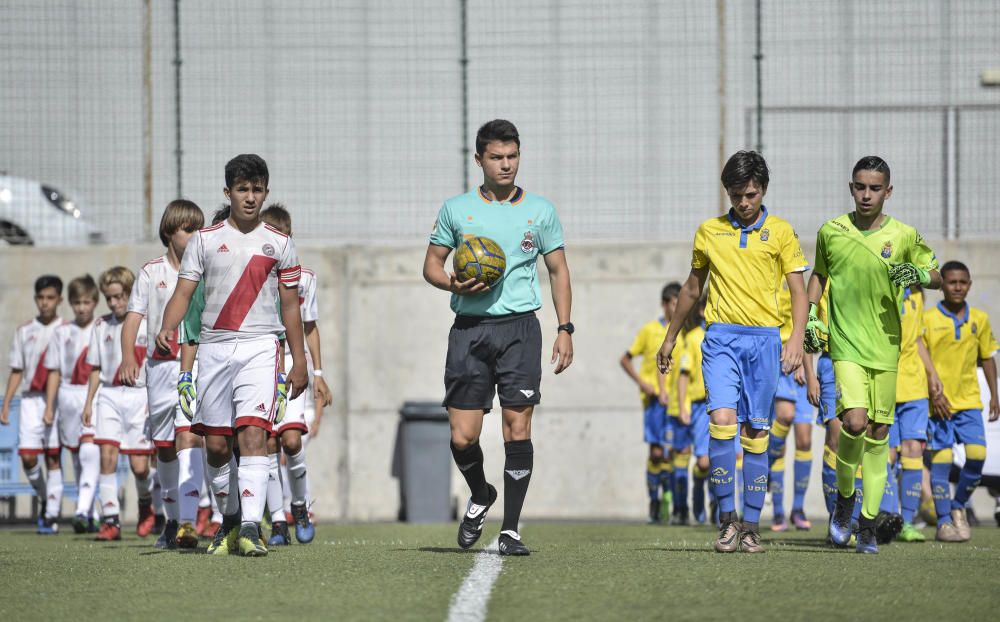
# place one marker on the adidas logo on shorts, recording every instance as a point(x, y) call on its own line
point(161, 285)
point(246, 493)
point(260, 408)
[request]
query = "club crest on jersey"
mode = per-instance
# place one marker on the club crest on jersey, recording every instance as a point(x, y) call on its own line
point(528, 243)
point(974, 328)
point(887, 250)
point(268, 250)
point(764, 235)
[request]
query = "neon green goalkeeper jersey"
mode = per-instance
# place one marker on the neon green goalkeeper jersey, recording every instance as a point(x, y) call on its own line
point(190, 328)
point(864, 304)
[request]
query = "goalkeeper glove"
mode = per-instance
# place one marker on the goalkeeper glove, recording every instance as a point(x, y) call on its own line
point(279, 411)
point(907, 274)
point(186, 394)
point(814, 326)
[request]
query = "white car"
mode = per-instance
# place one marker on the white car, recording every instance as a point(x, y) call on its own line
point(36, 214)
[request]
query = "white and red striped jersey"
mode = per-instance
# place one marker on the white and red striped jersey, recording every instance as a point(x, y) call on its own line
point(307, 306)
point(105, 350)
point(27, 352)
point(154, 286)
point(241, 273)
point(307, 296)
point(67, 352)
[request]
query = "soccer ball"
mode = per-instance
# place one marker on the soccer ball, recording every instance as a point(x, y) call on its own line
point(481, 259)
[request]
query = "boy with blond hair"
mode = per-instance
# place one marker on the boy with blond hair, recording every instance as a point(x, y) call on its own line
point(178, 450)
point(66, 390)
point(122, 414)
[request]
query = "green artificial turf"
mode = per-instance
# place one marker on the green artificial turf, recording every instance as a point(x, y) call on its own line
point(577, 571)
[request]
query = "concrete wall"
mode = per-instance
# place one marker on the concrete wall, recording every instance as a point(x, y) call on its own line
point(384, 334)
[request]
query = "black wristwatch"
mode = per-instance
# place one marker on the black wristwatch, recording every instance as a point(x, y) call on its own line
point(568, 327)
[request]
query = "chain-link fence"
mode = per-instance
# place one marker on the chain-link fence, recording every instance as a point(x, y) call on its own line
point(366, 110)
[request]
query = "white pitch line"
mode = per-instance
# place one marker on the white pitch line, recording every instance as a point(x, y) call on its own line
point(468, 604)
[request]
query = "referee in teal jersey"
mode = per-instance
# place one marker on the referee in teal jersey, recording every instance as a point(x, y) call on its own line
point(495, 344)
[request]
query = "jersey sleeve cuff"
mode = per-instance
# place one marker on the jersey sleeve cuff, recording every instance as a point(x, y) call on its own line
point(289, 277)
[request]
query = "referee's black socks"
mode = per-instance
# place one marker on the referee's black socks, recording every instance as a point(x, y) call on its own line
point(470, 463)
point(516, 476)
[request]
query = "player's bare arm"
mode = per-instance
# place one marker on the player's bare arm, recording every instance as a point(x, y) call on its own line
point(291, 317)
point(188, 353)
point(320, 389)
point(562, 299)
point(661, 389)
point(812, 381)
point(940, 406)
point(436, 275)
point(990, 370)
point(51, 389)
point(13, 381)
point(688, 298)
point(129, 372)
point(174, 313)
point(934, 385)
point(626, 364)
point(93, 382)
point(791, 353)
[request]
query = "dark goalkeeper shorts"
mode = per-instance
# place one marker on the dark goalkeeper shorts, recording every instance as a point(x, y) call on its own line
point(488, 355)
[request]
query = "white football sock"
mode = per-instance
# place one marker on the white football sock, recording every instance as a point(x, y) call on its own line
point(109, 495)
point(275, 498)
point(87, 477)
point(37, 479)
point(253, 487)
point(297, 475)
point(53, 493)
point(191, 477)
point(168, 474)
point(76, 464)
point(224, 488)
point(286, 487)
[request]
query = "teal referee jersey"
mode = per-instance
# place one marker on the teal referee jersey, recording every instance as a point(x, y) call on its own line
point(524, 226)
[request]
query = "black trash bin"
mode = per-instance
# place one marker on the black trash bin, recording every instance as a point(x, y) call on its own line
point(426, 463)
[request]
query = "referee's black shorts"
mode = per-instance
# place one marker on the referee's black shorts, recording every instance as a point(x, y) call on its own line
point(493, 354)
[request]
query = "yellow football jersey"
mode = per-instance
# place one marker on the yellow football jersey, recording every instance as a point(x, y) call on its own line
point(746, 268)
point(670, 382)
point(646, 344)
point(955, 346)
point(691, 363)
point(911, 377)
point(785, 307)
